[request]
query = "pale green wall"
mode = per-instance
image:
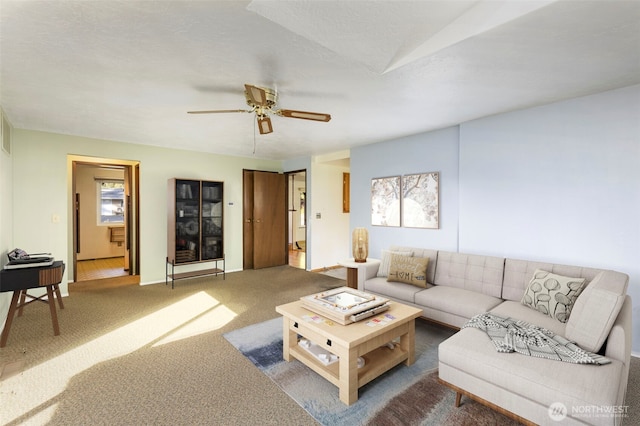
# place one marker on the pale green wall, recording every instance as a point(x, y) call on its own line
point(42, 180)
point(36, 184)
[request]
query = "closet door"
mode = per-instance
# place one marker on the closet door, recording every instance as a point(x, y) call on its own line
point(265, 231)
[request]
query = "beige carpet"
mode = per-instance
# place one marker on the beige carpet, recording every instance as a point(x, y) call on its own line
point(152, 355)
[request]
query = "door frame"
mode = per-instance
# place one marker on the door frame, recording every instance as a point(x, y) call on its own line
point(306, 213)
point(247, 219)
point(132, 208)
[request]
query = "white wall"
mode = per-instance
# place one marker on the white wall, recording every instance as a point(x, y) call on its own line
point(557, 183)
point(6, 217)
point(44, 188)
point(330, 242)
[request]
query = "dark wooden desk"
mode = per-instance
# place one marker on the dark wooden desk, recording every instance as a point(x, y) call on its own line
point(20, 281)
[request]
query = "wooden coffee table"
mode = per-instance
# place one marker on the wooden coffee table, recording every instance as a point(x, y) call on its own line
point(367, 339)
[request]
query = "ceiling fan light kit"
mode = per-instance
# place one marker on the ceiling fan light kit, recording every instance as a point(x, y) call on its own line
point(264, 125)
point(262, 102)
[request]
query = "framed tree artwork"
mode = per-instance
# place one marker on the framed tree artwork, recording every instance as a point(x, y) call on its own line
point(385, 201)
point(420, 204)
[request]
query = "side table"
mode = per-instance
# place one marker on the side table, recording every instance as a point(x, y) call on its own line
point(353, 267)
point(19, 281)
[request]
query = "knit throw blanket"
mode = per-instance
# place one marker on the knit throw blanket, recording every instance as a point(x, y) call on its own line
point(510, 335)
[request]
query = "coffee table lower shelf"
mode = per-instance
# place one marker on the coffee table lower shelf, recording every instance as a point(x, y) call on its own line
point(376, 362)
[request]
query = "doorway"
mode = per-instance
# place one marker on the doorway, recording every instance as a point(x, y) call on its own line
point(105, 206)
point(297, 218)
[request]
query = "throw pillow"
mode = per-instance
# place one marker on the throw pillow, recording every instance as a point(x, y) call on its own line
point(597, 309)
point(385, 262)
point(552, 294)
point(410, 270)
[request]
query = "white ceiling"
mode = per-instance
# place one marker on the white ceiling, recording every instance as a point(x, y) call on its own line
point(129, 70)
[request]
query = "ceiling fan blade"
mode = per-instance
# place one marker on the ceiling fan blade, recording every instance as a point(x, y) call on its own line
point(264, 125)
point(217, 111)
point(256, 94)
point(306, 115)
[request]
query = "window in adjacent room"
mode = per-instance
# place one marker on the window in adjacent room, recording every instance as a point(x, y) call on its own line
point(110, 201)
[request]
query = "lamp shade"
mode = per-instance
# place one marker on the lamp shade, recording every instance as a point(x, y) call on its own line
point(360, 244)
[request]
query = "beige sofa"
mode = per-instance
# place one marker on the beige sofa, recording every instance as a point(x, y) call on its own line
point(529, 389)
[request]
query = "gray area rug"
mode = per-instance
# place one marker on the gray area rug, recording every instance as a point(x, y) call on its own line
point(403, 396)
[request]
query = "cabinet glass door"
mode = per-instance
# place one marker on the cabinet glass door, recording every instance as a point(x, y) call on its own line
point(187, 221)
point(212, 220)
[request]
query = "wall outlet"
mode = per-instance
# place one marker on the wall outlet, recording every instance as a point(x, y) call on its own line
point(318, 215)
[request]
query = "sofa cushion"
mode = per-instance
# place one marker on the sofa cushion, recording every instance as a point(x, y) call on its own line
point(399, 291)
point(552, 294)
point(410, 270)
point(596, 310)
point(456, 301)
point(482, 274)
point(516, 310)
point(385, 262)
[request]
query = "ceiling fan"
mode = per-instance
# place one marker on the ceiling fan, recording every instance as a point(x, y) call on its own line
point(262, 102)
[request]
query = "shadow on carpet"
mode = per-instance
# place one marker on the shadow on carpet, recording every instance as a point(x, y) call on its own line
point(402, 396)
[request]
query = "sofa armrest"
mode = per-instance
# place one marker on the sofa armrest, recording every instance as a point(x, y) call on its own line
point(619, 347)
point(371, 268)
point(619, 340)
point(366, 271)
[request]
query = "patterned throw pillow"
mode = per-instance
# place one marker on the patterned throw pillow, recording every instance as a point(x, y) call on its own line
point(552, 294)
point(410, 270)
point(385, 263)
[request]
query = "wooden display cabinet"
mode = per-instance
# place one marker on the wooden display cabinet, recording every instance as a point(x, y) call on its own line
point(195, 231)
